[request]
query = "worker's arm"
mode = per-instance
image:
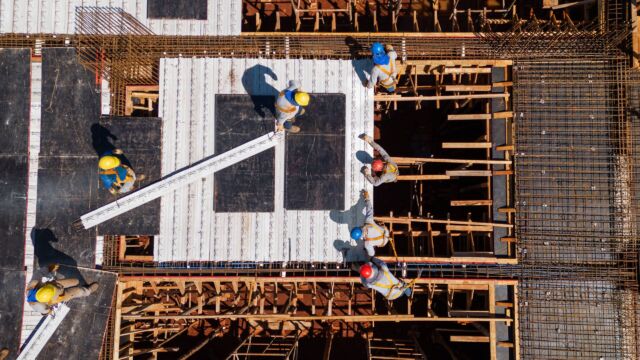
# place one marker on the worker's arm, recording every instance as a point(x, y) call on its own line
point(374, 180)
point(382, 152)
point(392, 58)
point(293, 85)
point(373, 79)
point(371, 251)
point(368, 211)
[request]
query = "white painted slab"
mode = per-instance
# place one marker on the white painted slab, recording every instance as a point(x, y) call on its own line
point(190, 230)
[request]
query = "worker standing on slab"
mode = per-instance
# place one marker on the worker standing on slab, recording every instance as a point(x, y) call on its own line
point(386, 170)
point(374, 235)
point(43, 296)
point(289, 105)
point(376, 275)
point(116, 177)
point(384, 68)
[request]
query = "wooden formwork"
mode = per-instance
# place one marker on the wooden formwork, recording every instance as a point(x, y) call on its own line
point(157, 310)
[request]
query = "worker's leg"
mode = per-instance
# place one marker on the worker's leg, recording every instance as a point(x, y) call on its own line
point(67, 283)
point(78, 292)
point(290, 127)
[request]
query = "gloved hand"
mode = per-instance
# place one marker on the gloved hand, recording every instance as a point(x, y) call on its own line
point(117, 151)
point(366, 138)
point(279, 128)
point(388, 48)
point(365, 170)
point(365, 194)
point(302, 111)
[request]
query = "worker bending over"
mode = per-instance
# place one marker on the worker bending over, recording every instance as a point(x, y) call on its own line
point(385, 169)
point(374, 235)
point(116, 177)
point(289, 105)
point(376, 275)
point(384, 68)
point(43, 296)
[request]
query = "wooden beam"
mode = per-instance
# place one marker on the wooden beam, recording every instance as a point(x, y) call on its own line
point(407, 220)
point(408, 161)
point(502, 115)
point(469, 339)
point(506, 210)
point(467, 88)
point(381, 97)
point(449, 260)
point(505, 148)
point(345, 318)
point(508, 239)
point(483, 228)
point(465, 173)
point(471, 202)
point(422, 177)
point(307, 279)
point(466, 145)
point(464, 117)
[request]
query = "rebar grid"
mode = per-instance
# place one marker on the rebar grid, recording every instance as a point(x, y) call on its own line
point(575, 220)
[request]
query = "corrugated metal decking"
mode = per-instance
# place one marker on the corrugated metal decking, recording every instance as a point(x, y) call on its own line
point(224, 17)
point(189, 228)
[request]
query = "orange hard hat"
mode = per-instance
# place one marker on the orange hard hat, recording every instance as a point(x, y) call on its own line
point(377, 165)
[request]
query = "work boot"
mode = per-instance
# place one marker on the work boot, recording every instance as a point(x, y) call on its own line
point(140, 177)
point(117, 152)
point(93, 287)
point(4, 353)
point(53, 268)
point(294, 129)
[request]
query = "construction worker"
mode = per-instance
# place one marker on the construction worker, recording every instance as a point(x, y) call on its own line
point(382, 165)
point(43, 296)
point(384, 68)
point(374, 235)
point(289, 105)
point(116, 177)
point(376, 275)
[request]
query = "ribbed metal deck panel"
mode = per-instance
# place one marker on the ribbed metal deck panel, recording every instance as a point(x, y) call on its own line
point(224, 17)
point(189, 228)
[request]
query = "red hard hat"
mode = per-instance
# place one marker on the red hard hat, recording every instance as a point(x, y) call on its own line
point(366, 271)
point(377, 165)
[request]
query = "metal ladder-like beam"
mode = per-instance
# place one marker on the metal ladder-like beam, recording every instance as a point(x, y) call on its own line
point(43, 333)
point(178, 179)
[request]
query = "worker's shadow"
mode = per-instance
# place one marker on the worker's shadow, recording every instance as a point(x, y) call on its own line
point(101, 140)
point(352, 217)
point(361, 66)
point(262, 93)
point(47, 255)
point(364, 157)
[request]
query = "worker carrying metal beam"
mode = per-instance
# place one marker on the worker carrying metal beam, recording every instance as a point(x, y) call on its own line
point(384, 69)
point(385, 169)
point(42, 296)
point(116, 177)
point(289, 105)
point(373, 234)
point(376, 275)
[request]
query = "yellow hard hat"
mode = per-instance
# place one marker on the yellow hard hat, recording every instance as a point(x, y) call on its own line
point(108, 162)
point(302, 98)
point(45, 293)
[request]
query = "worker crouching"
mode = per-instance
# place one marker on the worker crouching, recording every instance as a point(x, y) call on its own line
point(384, 69)
point(385, 170)
point(289, 105)
point(373, 234)
point(376, 275)
point(42, 297)
point(116, 177)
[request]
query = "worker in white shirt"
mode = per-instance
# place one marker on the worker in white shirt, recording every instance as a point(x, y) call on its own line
point(290, 104)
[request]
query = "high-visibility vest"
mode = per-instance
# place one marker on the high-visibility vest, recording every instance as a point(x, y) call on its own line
point(375, 238)
point(283, 109)
point(391, 169)
point(113, 171)
point(390, 81)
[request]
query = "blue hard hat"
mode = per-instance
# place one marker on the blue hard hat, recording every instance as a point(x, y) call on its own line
point(377, 49)
point(356, 233)
point(381, 59)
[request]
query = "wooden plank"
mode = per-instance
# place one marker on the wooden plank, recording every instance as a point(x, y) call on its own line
point(345, 318)
point(508, 239)
point(422, 177)
point(469, 228)
point(502, 172)
point(502, 115)
point(505, 147)
point(506, 210)
point(449, 260)
point(493, 353)
point(464, 173)
point(471, 202)
point(466, 145)
point(502, 84)
point(467, 88)
point(381, 97)
point(464, 117)
point(407, 220)
point(469, 339)
point(117, 320)
point(408, 161)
